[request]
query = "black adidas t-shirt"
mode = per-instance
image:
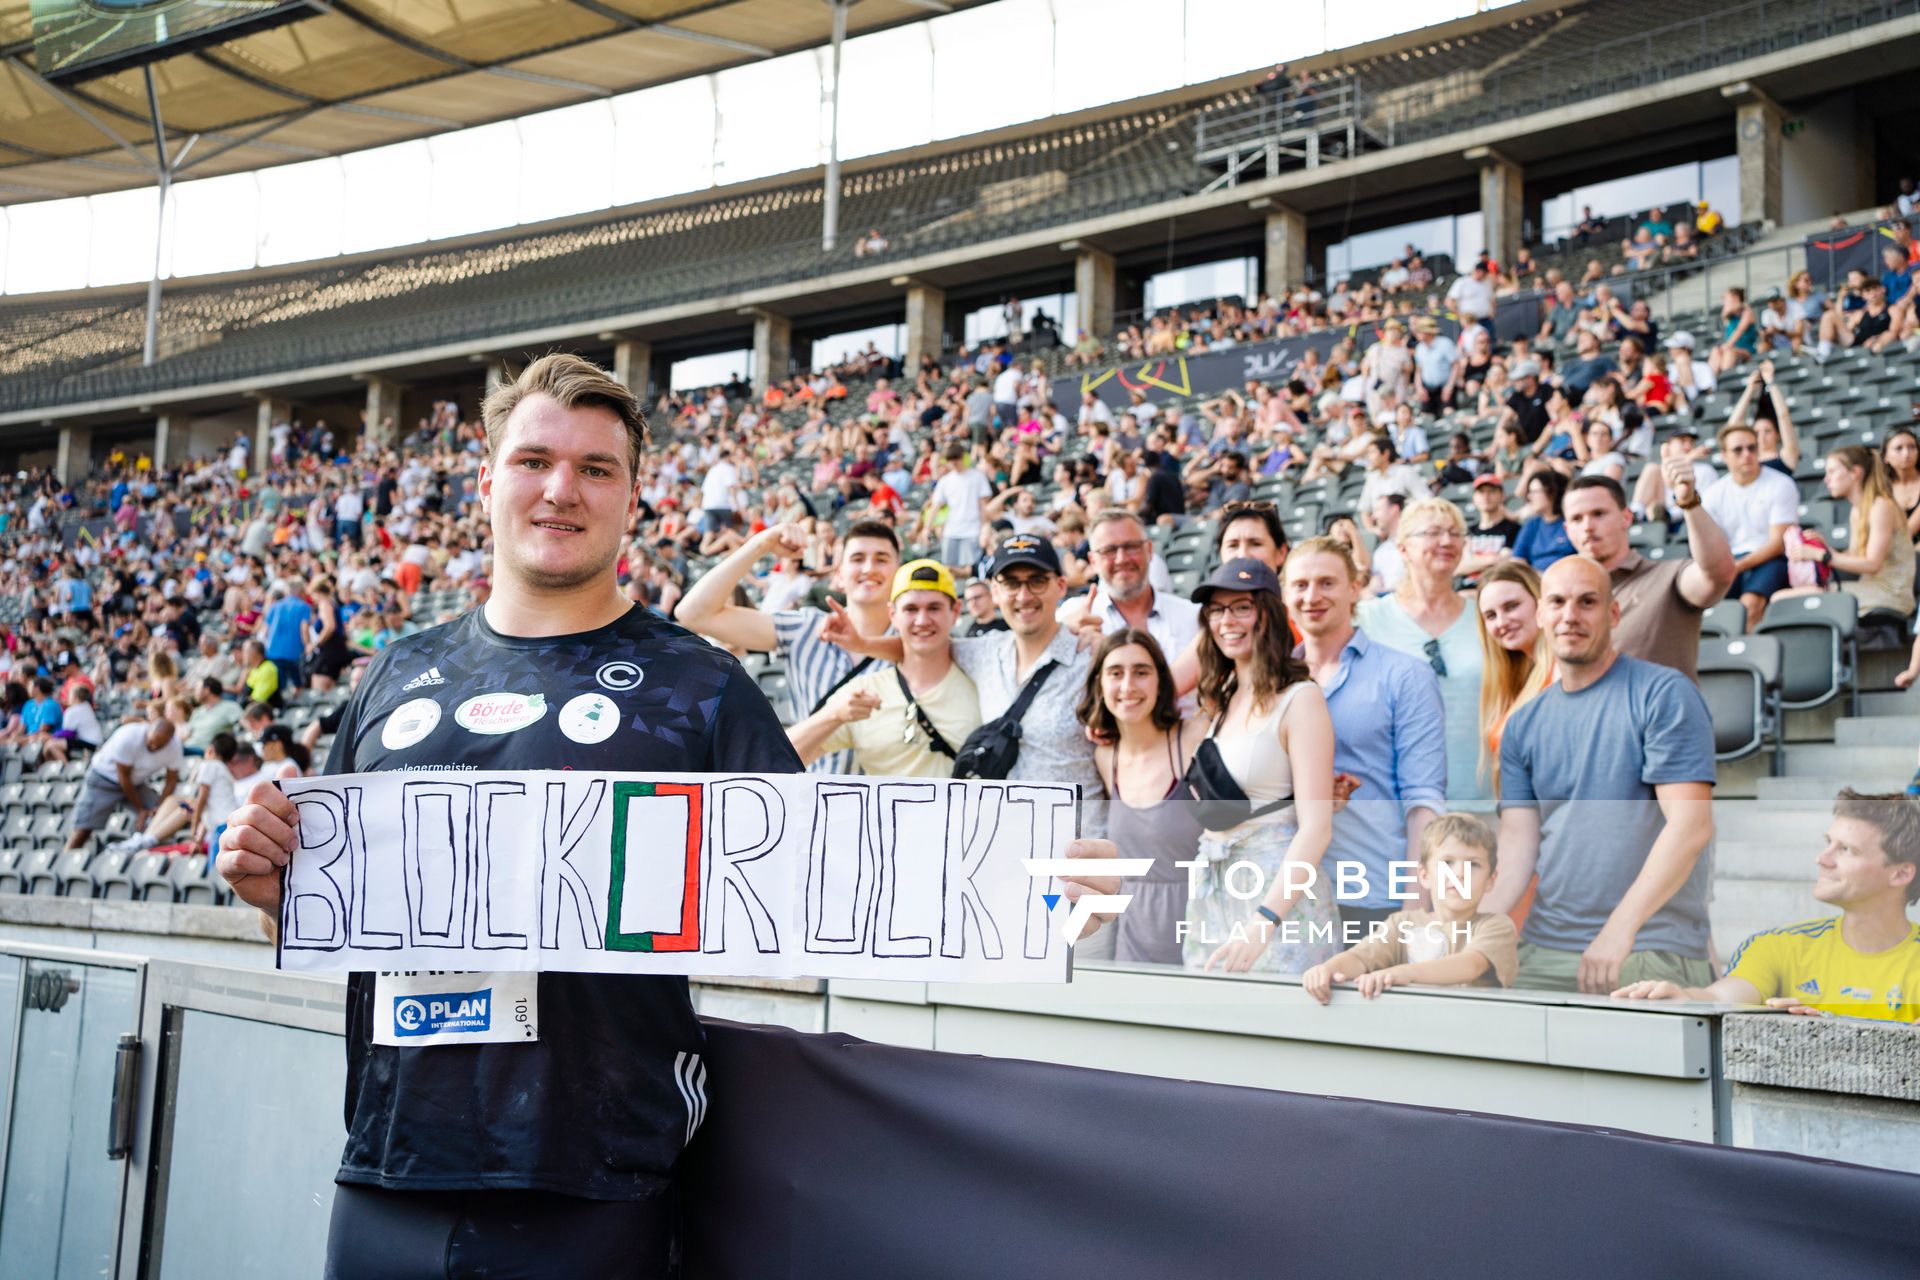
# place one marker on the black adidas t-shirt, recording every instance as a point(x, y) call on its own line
point(594, 1107)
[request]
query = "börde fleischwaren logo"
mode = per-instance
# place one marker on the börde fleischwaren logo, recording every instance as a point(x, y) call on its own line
point(500, 712)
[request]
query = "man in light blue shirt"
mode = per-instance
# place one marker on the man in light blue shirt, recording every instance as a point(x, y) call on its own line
point(74, 592)
point(1433, 354)
point(1606, 791)
point(1389, 735)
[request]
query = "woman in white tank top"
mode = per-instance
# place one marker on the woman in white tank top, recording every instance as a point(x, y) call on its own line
point(1270, 725)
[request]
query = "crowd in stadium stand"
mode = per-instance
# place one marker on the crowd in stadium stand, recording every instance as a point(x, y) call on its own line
point(1465, 693)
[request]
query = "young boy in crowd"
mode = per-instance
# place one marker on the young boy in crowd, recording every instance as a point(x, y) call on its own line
point(1453, 945)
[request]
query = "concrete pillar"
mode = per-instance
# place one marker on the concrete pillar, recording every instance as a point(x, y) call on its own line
point(633, 366)
point(163, 439)
point(926, 323)
point(1094, 283)
point(1502, 205)
point(1757, 131)
point(75, 457)
point(772, 348)
point(269, 412)
point(384, 420)
point(1285, 264)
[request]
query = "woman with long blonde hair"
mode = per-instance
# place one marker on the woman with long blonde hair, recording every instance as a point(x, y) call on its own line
point(1516, 660)
point(1879, 554)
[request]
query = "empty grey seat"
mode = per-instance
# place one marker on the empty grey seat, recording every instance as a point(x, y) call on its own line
point(152, 877)
point(39, 876)
point(1818, 648)
point(195, 880)
point(113, 876)
point(72, 871)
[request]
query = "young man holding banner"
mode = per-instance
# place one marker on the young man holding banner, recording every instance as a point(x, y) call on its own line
point(543, 1145)
point(499, 1154)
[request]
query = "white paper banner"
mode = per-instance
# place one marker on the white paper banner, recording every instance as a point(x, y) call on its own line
point(790, 876)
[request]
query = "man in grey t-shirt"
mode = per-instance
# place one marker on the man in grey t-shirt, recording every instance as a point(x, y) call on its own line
point(1606, 788)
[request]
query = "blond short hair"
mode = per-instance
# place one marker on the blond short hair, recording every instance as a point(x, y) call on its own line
point(573, 382)
point(1430, 511)
point(1325, 546)
point(1466, 829)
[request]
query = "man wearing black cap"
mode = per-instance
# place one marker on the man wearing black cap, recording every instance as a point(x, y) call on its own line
point(1028, 588)
point(1494, 533)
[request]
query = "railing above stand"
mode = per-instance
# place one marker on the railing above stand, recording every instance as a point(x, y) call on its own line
point(1279, 133)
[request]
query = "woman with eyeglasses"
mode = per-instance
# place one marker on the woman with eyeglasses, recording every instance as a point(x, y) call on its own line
point(1131, 711)
point(1425, 617)
point(1268, 721)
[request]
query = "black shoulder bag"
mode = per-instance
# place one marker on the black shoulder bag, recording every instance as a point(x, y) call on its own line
point(1218, 802)
point(991, 750)
point(935, 738)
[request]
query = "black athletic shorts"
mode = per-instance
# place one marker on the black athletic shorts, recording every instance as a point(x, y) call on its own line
point(501, 1235)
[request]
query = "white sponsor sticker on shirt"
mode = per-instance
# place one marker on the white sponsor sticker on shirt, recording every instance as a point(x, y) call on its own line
point(589, 718)
point(410, 723)
point(500, 712)
point(419, 1009)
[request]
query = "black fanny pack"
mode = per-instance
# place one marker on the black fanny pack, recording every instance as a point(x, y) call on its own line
point(1216, 800)
point(991, 750)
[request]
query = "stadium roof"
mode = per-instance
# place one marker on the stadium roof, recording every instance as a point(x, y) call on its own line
point(362, 73)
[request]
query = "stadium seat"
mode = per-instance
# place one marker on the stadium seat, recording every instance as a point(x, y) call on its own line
point(195, 880)
point(1740, 680)
point(1819, 653)
point(72, 871)
point(39, 875)
point(1728, 618)
point(10, 869)
point(111, 875)
point(1648, 533)
point(49, 826)
point(152, 877)
point(18, 828)
point(773, 683)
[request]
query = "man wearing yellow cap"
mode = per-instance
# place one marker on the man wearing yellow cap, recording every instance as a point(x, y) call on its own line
point(904, 721)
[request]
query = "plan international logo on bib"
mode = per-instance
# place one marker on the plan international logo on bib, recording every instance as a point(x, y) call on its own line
point(436, 1015)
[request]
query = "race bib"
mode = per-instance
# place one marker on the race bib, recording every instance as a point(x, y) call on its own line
point(426, 1008)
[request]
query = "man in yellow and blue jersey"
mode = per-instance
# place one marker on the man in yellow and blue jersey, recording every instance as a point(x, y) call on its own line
point(1862, 963)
